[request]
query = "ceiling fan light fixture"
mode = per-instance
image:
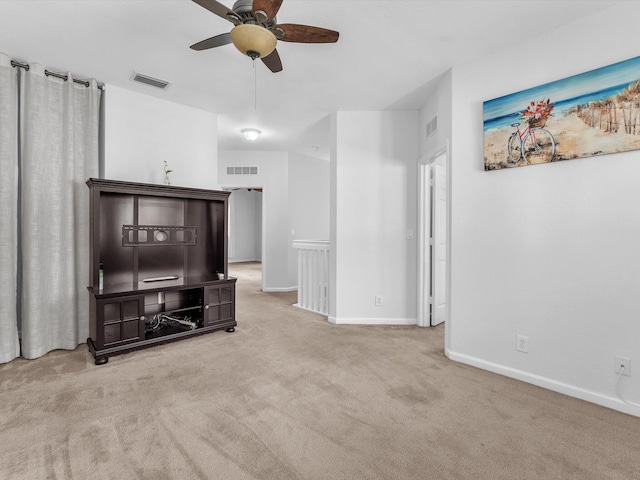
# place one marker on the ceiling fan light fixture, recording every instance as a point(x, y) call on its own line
point(253, 40)
point(250, 133)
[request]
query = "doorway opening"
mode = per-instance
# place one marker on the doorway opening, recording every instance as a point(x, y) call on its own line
point(245, 229)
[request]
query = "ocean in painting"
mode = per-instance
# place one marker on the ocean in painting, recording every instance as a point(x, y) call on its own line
point(561, 107)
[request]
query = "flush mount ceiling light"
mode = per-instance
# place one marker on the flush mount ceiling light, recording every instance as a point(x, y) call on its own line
point(250, 133)
point(253, 40)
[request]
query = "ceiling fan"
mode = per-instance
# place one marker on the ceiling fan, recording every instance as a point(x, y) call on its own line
point(256, 30)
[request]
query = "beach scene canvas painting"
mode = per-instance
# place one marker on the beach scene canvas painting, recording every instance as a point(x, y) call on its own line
point(593, 113)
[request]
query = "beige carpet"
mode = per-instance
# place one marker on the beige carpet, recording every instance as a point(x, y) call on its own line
point(289, 396)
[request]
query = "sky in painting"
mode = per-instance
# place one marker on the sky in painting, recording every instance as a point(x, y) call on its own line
point(566, 88)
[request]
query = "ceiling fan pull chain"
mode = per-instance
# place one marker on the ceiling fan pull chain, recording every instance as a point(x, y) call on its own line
point(255, 86)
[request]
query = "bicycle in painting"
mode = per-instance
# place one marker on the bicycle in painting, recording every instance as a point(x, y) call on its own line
point(531, 143)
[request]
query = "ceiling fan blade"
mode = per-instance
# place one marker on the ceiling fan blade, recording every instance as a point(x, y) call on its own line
point(272, 61)
point(217, 8)
point(269, 7)
point(304, 33)
point(217, 41)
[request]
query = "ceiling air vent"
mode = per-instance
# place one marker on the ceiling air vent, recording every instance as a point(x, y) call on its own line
point(432, 126)
point(147, 80)
point(242, 170)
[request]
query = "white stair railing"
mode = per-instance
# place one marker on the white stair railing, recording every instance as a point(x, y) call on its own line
point(313, 275)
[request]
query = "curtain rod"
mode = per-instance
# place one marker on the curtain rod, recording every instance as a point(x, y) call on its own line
point(54, 74)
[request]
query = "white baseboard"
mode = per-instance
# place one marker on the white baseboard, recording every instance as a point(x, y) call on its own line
point(240, 260)
point(309, 310)
point(570, 390)
point(372, 321)
point(280, 290)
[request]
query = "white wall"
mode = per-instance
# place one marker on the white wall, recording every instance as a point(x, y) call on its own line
point(548, 251)
point(141, 132)
point(273, 177)
point(309, 197)
point(245, 225)
point(373, 174)
point(439, 104)
point(308, 201)
point(258, 226)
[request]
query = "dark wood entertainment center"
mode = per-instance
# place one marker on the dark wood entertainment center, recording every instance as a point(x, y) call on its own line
point(158, 265)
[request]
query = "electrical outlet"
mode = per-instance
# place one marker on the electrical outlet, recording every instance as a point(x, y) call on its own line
point(409, 234)
point(522, 343)
point(620, 362)
point(378, 300)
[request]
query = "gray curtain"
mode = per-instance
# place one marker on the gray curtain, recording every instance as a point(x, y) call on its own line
point(9, 346)
point(58, 153)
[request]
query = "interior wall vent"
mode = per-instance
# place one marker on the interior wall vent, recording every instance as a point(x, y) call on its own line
point(432, 126)
point(242, 170)
point(147, 80)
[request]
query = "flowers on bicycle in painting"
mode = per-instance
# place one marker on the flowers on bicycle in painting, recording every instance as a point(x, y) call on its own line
point(537, 113)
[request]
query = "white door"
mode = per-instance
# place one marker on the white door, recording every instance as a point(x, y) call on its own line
point(439, 243)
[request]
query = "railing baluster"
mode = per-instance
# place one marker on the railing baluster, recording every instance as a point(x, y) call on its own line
point(313, 275)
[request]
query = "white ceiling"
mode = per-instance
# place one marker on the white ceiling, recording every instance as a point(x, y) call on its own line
point(387, 55)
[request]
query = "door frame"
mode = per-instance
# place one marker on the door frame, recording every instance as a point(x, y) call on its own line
point(425, 200)
point(423, 318)
point(438, 242)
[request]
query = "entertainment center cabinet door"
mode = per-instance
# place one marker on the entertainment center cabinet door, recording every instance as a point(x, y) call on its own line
point(219, 304)
point(120, 320)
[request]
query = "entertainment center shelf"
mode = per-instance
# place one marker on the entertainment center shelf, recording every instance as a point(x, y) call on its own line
point(158, 265)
